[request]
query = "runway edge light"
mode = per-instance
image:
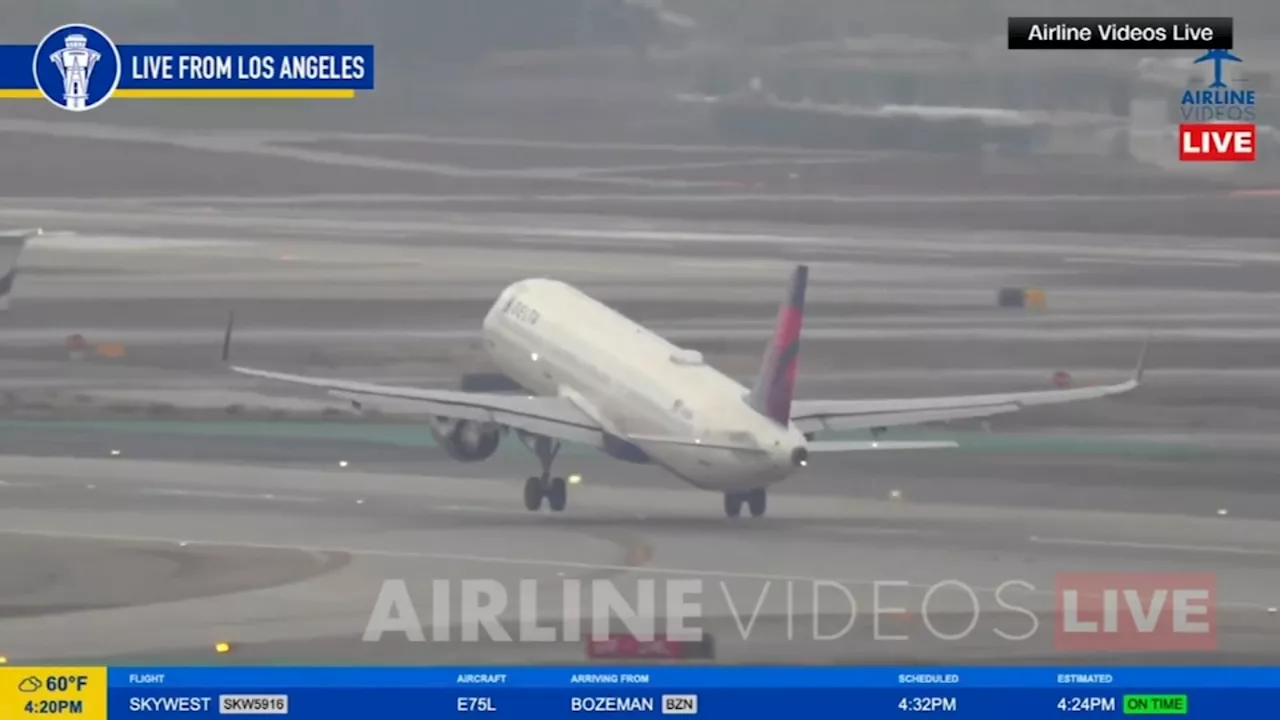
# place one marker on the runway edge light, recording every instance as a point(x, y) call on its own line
point(222, 647)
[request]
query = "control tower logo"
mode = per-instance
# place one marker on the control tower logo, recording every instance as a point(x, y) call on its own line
point(77, 67)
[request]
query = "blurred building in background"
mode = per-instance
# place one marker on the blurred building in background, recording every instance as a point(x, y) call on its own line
point(901, 74)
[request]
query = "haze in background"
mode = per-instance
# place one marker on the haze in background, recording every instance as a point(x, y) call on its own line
point(481, 67)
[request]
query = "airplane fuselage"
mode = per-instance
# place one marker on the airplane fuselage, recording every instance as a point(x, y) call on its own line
point(554, 340)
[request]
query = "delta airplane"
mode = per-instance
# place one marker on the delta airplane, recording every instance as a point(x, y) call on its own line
point(596, 378)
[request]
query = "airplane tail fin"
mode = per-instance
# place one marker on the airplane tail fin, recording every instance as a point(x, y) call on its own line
point(775, 385)
point(11, 245)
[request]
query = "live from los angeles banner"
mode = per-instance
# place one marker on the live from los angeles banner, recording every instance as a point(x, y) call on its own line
point(79, 67)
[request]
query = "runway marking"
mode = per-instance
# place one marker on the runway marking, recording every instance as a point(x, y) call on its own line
point(591, 170)
point(482, 509)
point(1152, 263)
point(296, 136)
point(918, 532)
point(519, 562)
point(905, 254)
point(755, 265)
point(1135, 545)
point(226, 495)
point(120, 243)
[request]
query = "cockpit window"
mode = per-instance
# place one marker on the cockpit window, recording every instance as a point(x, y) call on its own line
point(509, 296)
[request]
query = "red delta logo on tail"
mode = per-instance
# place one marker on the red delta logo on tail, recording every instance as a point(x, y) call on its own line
point(776, 384)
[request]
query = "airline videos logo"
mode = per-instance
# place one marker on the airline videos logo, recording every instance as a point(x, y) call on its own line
point(679, 704)
point(1146, 612)
point(1218, 120)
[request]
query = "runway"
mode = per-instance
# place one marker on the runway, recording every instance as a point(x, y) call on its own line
point(321, 542)
point(152, 505)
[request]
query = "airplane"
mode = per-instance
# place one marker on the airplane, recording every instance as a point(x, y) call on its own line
point(597, 378)
point(1217, 57)
point(11, 246)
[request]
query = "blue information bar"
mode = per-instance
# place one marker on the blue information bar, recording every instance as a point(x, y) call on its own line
point(930, 680)
point(219, 67)
point(722, 703)
point(15, 67)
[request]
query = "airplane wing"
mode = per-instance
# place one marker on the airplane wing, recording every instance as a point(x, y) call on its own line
point(550, 416)
point(817, 415)
point(1216, 55)
point(11, 245)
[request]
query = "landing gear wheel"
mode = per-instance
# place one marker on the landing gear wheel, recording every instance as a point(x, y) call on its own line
point(536, 489)
point(533, 494)
point(757, 501)
point(557, 494)
point(732, 504)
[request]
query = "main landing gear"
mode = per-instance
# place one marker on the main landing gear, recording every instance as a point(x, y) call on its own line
point(544, 487)
point(756, 501)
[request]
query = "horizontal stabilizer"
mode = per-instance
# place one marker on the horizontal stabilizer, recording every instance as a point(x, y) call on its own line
point(905, 417)
point(834, 446)
point(818, 415)
point(19, 237)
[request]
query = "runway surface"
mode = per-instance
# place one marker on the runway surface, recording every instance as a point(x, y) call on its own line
point(136, 538)
point(287, 563)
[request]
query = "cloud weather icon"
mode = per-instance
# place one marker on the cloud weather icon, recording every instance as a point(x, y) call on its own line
point(30, 685)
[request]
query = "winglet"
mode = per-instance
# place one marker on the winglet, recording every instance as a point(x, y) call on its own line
point(1142, 361)
point(11, 246)
point(226, 339)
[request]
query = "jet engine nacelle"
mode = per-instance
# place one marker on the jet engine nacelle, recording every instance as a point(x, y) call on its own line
point(466, 440)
